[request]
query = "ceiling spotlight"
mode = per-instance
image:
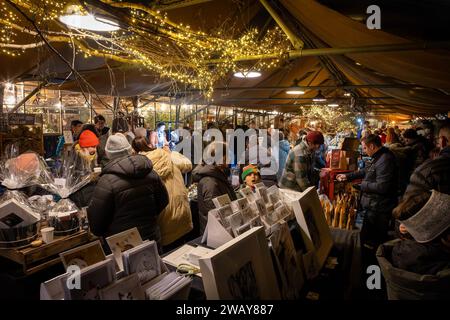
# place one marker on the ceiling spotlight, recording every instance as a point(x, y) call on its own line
point(320, 97)
point(295, 92)
point(295, 89)
point(347, 94)
point(75, 18)
point(247, 74)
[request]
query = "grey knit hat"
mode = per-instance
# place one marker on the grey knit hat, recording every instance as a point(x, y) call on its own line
point(117, 146)
point(432, 220)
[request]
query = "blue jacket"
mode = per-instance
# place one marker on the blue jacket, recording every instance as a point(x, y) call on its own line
point(284, 148)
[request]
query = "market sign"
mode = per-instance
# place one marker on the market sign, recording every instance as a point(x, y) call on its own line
point(21, 119)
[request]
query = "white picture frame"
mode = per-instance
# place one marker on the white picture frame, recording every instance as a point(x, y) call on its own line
point(143, 260)
point(127, 288)
point(92, 279)
point(315, 230)
point(83, 256)
point(123, 241)
point(240, 269)
point(288, 262)
point(222, 200)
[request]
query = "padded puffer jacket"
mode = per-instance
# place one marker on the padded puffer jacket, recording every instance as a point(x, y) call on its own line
point(128, 194)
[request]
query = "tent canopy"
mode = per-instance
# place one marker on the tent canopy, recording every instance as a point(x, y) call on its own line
point(384, 81)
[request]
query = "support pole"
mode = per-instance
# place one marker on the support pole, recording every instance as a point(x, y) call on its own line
point(297, 43)
point(91, 109)
point(294, 54)
point(2, 89)
point(60, 112)
point(29, 96)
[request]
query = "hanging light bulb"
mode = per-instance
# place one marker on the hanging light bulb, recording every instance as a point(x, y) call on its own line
point(320, 97)
point(247, 74)
point(77, 19)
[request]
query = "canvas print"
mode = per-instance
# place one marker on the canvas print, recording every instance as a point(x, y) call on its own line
point(224, 213)
point(236, 220)
point(315, 230)
point(143, 260)
point(262, 193)
point(256, 222)
point(243, 285)
point(240, 230)
point(239, 205)
point(248, 194)
point(123, 241)
point(261, 207)
point(83, 256)
point(128, 288)
point(92, 279)
point(248, 214)
point(222, 200)
point(240, 269)
point(286, 257)
point(282, 211)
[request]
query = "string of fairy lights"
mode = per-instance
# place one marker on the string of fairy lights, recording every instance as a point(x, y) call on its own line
point(146, 38)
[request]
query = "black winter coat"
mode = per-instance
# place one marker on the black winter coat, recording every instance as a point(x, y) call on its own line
point(379, 185)
point(212, 182)
point(128, 194)
point(422, 258)
point(432, 174)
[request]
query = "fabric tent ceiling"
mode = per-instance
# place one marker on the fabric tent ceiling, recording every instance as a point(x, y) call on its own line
point(429, 69)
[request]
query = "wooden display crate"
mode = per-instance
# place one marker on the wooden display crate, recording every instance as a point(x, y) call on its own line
point(36, 259)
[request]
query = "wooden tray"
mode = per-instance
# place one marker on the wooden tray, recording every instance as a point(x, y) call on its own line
point(37, 259)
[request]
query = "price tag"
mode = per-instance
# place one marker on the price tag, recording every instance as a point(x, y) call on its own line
point(60, 182)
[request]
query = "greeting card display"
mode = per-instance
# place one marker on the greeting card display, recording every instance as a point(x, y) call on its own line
point(123, 241)
point(241, 269)
point(143, 260)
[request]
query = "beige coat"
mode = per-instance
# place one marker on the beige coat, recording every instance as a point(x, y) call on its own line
point(176, 219)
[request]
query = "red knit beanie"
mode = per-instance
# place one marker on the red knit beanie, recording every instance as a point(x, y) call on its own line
point(88, 139)
point(315, 137)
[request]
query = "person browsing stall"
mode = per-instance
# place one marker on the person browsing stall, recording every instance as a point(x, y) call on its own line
point(128, 194)
point(250, 176)
point(299, 172)
point(379, 191)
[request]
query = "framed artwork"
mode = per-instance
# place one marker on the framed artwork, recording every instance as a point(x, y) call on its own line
point(235, 221)
point(83, 256)
point(143, 260)
point(241, 269)
point(315, 230)
point(224, 213)
point(14, 214)
point(222, 200)
point(248, 194)
point(128, 288)
point(92, 279)
point(53, 289)
point(239, 205)
point(123, 241)
point(262, 193)
point(287, 261)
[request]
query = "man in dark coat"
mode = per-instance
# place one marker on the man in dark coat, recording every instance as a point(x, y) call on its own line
point(432, 174)
point(128, 194)
point(379, 191)
point(212, 182)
